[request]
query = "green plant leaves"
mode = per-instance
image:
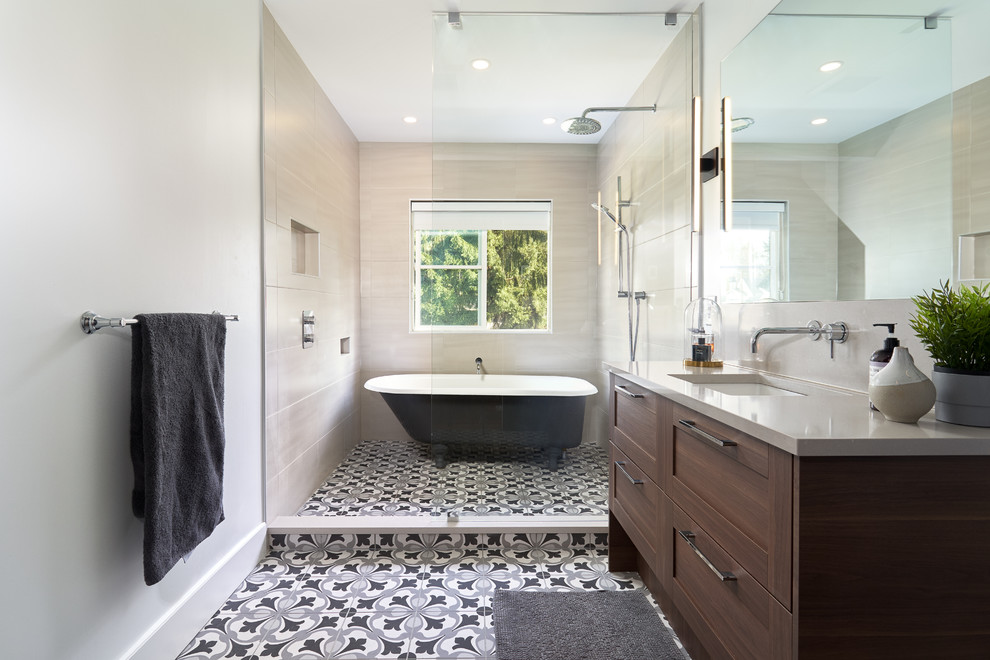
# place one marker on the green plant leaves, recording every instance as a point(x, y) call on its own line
point(954, 326)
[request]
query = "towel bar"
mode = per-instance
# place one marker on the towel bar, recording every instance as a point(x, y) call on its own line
point(91, 321)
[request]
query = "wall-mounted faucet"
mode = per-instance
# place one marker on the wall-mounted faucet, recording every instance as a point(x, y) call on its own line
point(834, 332)
point(477, 365)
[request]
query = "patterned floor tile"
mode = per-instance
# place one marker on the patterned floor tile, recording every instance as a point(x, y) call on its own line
point(454, 634)
point(378, 635)
point(398, 478)
point(403, 596)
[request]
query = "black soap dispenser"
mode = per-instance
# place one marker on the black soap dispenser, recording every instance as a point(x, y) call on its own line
point(882, 356)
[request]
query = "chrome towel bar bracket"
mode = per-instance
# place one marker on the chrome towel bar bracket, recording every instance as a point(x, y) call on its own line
point(91, 321)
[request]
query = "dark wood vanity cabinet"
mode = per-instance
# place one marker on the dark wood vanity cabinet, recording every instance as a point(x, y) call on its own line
point(635, 498)
point(762, 555)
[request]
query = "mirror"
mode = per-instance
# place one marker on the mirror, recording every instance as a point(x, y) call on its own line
point(841, 157)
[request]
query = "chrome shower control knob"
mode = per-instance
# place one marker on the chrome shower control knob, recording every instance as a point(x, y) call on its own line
point(836, 332)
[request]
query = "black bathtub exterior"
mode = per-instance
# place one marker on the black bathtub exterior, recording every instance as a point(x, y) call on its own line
point(553, 423)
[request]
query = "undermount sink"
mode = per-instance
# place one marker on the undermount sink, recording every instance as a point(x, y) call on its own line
point(750, 389)
point(753, 384)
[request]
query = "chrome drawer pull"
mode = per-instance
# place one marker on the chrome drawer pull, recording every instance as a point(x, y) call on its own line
point(621, 389)
point(724, 576)
point(621, 466)
point(688, 424)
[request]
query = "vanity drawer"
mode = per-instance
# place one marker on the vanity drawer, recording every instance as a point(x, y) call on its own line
point(635, 425)
point(635, 502)
point(739, 489)
point(727, 608)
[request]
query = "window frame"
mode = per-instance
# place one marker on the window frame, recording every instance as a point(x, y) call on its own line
point(544, 207)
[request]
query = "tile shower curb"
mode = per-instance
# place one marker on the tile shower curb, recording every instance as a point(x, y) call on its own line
point(426, 525)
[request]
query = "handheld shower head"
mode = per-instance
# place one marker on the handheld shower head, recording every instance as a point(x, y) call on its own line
point(606, 211)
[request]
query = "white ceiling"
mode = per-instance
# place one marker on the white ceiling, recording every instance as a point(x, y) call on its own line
point(375, 61)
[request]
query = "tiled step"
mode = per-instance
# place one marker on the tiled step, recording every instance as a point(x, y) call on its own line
point(309, 543)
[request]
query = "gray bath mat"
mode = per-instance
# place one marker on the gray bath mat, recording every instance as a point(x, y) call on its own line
point(580, 625)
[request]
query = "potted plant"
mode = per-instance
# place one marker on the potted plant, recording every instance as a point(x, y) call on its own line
point(955, 328)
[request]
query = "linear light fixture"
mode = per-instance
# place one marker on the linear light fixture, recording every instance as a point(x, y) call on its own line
point(696, 164)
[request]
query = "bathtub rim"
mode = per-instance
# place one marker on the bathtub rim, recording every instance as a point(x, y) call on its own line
point(491, 385)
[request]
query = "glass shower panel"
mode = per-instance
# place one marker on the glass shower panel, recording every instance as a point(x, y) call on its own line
point(497, 138)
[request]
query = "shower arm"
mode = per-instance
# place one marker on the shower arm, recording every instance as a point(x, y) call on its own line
point(641, 108)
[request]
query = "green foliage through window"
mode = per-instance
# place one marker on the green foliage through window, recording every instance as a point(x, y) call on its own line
point(487, 278)
point(517, 279)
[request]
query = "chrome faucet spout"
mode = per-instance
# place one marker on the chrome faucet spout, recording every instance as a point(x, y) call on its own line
point(814, 328)
point(477, 365)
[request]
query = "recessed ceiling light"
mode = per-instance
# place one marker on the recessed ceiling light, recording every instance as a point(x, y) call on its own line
point(480, 64)
point(819, 121)
point(830, 66)
point(549, 121)
point(410, 119)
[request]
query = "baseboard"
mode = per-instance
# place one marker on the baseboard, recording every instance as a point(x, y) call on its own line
point(185, 618)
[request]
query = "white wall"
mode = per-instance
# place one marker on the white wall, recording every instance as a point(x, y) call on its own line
point(130, 165)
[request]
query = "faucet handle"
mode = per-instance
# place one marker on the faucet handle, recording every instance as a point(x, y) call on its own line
point(836, 332)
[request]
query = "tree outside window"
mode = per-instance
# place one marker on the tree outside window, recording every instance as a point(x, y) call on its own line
point(481, 266)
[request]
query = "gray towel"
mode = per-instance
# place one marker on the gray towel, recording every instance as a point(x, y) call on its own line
point(177, 439)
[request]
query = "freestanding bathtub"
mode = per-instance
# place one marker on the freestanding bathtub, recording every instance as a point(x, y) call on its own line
point(445, 409)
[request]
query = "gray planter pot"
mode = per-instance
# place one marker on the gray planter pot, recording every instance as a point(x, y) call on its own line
point(962, 397)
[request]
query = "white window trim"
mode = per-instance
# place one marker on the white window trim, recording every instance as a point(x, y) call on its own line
point(423, 214)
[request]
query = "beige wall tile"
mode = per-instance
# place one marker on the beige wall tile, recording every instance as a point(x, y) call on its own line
point(396, 165)
point(295, 200)
point(377, 420)
point(311, 176)
point(270, 247)
point(649, 153)
point(268, 51)
point(270, 174)
point(562, 173)
point(334, 447)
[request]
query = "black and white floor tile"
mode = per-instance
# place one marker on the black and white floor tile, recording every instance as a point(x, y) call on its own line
point(411, 596)
point(397, 478)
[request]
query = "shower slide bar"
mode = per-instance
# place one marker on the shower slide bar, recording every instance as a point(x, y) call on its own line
point(91, 321)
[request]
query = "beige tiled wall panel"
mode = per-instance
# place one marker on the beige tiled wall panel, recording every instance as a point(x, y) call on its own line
point(971, 163)
point(650, 152)
point(394, 174)
point(901, 170)
point(806, 177)
point(311, 174)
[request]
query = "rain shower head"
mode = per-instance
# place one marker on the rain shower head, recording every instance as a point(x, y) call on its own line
point(580, 126)
point(585, 125)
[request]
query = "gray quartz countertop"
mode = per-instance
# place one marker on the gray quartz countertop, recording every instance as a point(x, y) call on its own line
point(810, 420)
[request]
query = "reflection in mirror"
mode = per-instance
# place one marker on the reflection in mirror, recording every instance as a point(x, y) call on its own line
point(848, 136)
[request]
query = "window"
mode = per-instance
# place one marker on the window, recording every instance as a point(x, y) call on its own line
point(752, 259)
point(481, 266)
